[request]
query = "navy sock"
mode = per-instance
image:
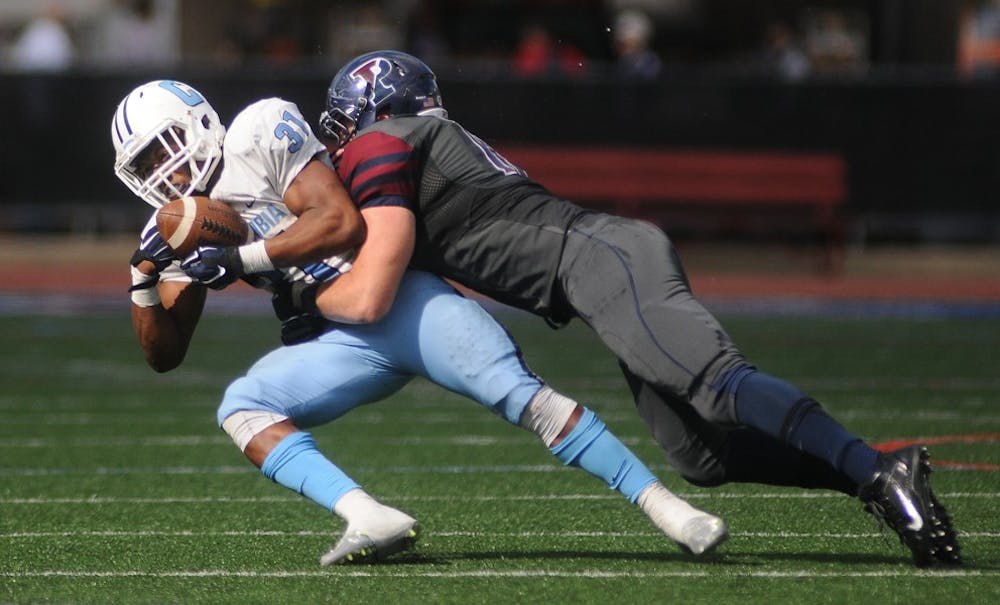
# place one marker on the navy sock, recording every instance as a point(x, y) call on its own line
point(781, 410)
point(753, 457)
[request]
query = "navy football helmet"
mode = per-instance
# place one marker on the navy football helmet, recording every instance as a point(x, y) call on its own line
point(374, 85)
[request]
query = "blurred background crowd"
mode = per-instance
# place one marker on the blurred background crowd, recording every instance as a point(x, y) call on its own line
point(533, 38)
point(905, 92)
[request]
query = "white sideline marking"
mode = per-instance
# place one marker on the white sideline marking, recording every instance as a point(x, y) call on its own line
point(467, 498)
point(513, 573)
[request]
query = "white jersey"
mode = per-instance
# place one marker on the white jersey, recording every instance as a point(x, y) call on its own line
point(265, 148)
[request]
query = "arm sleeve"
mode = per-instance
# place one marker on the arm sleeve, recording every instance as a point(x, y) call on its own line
point(381, 170)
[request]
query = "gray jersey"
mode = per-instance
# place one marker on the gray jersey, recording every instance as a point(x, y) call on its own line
point(480, 220)
point(485, 223)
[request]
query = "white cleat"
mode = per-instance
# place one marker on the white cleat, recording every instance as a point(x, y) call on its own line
point(394, 531)
point(694, 530)
point(701, 535)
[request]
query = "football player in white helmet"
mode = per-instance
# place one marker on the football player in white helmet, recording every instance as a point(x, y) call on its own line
point(189, 134)
point(270, 157)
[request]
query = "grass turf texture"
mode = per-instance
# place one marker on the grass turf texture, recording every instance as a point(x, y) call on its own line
point(116, 485)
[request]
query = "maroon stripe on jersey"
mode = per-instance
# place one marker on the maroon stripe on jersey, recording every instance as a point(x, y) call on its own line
point(377, 165)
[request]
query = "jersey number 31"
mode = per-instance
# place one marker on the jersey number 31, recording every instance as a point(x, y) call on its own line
point(292, 129)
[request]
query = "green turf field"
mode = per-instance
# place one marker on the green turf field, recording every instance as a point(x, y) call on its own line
point(117, 487)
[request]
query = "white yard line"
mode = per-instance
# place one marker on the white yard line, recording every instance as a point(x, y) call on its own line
point(261, 533)
point(512, 573)
point(196, 440)
point(121, 471)
point(804, 495)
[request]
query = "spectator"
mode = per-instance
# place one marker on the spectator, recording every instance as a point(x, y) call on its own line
point(425, 34)
point(44, 44)
point(137, 33)
point(362, 28)
point(782, 56)
point(633, 32)
point(979, 40)
point(538, 53)
point(833, 45)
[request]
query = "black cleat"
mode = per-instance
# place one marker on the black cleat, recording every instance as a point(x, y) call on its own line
point(899, 495)
point(946, 548)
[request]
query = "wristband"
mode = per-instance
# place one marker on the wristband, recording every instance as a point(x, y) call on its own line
point(143, 291)
point(255, 258)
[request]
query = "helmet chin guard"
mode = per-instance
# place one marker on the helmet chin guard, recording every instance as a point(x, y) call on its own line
point(175, 121)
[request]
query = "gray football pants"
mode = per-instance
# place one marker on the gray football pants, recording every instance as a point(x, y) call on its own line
point(624, 279)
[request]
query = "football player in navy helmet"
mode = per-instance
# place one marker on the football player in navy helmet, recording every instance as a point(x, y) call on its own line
point(444, 201)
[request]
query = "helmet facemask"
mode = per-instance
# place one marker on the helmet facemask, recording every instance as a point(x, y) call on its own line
point(154, 181)
point(346, 116)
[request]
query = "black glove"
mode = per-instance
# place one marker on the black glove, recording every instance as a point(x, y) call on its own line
point(154, 249)
point(295, 306)
point(214, 266)
point(291, 299)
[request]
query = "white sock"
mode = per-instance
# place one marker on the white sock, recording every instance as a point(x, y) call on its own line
point(666, 510)
point(362, 512)
point(356, 504)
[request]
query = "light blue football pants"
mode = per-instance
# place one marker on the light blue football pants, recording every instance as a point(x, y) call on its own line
point(431, 331)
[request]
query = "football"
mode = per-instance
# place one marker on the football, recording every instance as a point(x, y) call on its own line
point(189, 222)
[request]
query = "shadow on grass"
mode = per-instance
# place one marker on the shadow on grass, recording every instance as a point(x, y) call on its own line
point(777, 560)
point(418, 558)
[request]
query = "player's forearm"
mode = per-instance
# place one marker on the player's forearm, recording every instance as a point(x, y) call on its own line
point(164, 330)
point(354, 300)
point(162, 343)
point(328, 222)
point(318, 234)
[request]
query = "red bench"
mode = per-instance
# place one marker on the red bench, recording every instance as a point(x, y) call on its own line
point(766, 193)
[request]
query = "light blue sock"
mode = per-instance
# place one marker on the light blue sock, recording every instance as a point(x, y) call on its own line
point(296, 464)
point(592, 447)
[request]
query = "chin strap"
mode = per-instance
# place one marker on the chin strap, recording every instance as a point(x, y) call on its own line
point(366, 109)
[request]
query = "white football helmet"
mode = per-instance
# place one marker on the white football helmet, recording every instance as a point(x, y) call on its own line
point(177, 118)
